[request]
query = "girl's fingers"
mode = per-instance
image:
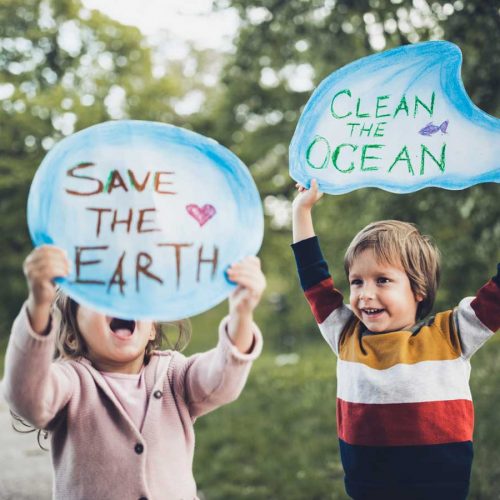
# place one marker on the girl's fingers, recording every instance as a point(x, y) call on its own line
point(250, 283)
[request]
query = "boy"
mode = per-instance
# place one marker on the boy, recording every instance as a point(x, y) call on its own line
point(404, 409)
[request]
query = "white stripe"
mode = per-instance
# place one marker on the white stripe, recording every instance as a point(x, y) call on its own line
point(473, 333)
point(334, 325)
point(404, 383)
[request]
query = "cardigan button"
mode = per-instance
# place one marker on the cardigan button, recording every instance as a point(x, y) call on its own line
point(139, 448)
point(158, 394)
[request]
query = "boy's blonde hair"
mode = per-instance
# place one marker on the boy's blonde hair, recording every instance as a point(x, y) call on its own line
point(401, 244)
point(71, 344)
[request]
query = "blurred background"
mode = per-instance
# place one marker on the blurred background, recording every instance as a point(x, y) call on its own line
point(241, 71)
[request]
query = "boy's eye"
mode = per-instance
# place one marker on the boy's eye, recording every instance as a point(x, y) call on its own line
point(383, 280)
point(356, 282)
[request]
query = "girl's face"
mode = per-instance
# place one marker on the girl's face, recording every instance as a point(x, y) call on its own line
point(114, 345)
point(381, 295)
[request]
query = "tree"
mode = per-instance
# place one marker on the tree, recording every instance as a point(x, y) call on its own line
point(64, 68)
point(283, 50)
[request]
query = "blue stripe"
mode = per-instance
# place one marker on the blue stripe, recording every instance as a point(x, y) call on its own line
point(311, 264)
point(439, 472)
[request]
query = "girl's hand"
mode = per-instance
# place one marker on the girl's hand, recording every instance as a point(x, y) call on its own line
point(41, 266)
point(307, 198)
point(251, 284)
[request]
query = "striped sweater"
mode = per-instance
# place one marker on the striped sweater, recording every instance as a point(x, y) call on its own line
point(404, 409)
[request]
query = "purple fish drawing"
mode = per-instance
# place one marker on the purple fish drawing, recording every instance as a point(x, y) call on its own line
point(431, 129)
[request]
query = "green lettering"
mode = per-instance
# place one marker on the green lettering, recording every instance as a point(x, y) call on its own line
point(365, 156)
point(336, 154)
point(402, 106)
point(317, 139)
point(379, 106)
point(429, 109)
point(335, 115)
point(403, 156)
point(368, 130)
point(379, 131)
point(441, 163)
point(352, 125)
point(358, 112)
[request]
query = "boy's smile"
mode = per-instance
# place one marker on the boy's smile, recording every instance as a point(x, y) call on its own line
point(381, 295)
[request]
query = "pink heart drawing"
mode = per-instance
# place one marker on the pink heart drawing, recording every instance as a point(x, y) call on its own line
point(201, 214)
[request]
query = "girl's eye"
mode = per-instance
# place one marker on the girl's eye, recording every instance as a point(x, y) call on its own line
point(356, 282)
point(383, 280)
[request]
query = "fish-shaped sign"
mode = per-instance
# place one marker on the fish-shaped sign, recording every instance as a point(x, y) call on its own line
point(399, 120)
point(151, 216)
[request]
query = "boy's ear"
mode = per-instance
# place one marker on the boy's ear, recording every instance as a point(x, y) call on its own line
point(419, 297)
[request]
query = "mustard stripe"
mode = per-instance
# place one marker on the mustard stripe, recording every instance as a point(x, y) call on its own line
point(436, 342)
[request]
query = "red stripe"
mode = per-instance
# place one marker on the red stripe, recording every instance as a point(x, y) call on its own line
point(486, 305)
point(323, 299)
point(405, 424)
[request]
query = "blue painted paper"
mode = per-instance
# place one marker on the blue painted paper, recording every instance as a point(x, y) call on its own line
point(400, 120)
point(151, 216)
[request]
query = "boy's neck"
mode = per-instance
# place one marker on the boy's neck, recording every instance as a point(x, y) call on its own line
point(413, 329)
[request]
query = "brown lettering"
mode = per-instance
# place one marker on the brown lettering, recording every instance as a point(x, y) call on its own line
point(140, 187)
point(177, 247)
point(159, 182)
point(143, 268)
point(142, 220)
point(99, 212)
point(79, 263)
point(127, 221)
point(115, 180)
point(117, 278)
point(71, 173)
point(213, 261)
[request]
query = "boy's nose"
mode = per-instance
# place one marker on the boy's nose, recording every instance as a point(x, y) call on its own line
point(367, 292)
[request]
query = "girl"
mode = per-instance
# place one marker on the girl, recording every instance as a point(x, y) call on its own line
point(121, 414)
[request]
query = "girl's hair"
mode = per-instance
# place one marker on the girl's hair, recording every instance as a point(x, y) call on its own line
point(400, 243)
point(70, 343)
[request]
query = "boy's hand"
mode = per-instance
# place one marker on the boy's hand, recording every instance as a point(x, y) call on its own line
point(41, 266)
point(307, 198)
point(251, 284)
point(302, 223)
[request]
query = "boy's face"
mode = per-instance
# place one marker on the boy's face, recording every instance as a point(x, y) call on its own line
point(381, 295)
point(114, 345)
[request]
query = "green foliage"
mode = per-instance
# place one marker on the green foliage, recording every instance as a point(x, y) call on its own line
point(258, 112)
point(63, 68)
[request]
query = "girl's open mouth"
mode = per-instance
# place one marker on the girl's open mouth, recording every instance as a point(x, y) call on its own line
point(122, 328)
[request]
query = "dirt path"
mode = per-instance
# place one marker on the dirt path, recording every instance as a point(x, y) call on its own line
point(25, 470)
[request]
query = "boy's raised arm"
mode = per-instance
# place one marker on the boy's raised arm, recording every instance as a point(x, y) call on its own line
point(325, 301)
point(301, 211)
point(478, 318)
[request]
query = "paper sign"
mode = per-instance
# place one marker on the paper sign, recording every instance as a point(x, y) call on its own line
point(151, 216)
point(399, 120)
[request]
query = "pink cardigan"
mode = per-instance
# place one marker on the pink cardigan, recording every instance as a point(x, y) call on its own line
point(97, 452)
